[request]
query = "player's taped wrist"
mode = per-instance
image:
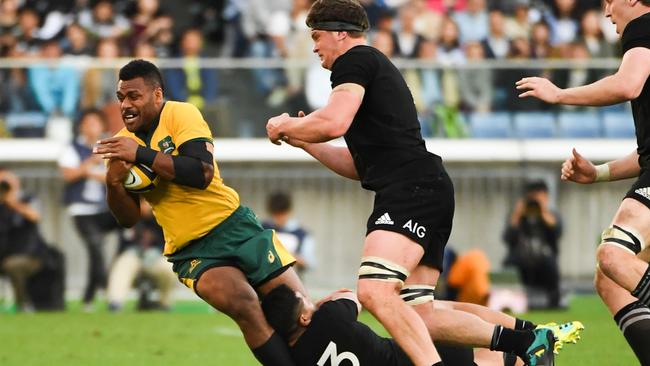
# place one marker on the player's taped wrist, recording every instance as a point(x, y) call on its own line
point(145, 155)
point(602, 173)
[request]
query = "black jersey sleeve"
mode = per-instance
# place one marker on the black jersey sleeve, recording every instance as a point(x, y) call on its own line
point(358, 66)
point(343, 308)
point(637, 33)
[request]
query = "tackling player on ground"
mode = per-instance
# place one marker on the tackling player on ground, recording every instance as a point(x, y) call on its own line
point(372, 107)
point(329, 330)
point(623, 275)
point(217, 247)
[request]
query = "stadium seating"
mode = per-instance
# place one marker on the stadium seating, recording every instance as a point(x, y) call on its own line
point(490, 125)
point(26, 124)
point(618, 125)
point(579, 125)
point(534, 125)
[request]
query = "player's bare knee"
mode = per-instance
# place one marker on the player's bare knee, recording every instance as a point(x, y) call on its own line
point(372, 294)
point(603, 285)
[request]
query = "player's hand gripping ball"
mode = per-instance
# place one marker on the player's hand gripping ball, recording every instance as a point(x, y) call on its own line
point(140, 179)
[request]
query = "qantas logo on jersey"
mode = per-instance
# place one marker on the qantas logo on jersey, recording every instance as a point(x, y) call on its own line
point(415, 228)
point(335, 359)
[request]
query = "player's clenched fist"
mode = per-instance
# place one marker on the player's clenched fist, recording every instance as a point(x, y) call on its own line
point(578, 169)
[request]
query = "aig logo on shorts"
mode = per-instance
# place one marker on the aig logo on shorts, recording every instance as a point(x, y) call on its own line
point(415, 228)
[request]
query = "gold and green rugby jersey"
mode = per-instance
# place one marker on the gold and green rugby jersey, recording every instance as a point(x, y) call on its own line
point(185, 213)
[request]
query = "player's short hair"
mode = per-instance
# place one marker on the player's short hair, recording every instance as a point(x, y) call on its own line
point(279, 202)
point(339, 15)
point(142, 69)
point(282, 308)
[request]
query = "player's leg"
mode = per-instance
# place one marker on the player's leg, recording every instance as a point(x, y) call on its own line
point(621, 242)
point(388, 259)
point(631, 316)
point(445, 324)
point(227, 290)
point(289, 277)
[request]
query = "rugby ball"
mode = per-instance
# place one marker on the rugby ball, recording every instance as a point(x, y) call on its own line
point(140, 179)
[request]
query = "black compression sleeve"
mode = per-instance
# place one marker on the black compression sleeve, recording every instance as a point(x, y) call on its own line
point(196, 149)
point(188, 171)
point(188, 167)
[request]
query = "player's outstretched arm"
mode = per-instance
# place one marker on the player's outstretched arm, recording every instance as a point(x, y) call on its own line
point(626, 84)
point(125, 206)
point(580, 170)
point(324, 124)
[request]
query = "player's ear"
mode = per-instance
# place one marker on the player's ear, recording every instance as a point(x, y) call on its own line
point(305, 319)
point(158, 93)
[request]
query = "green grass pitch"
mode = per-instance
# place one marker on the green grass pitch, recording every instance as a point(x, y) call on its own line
point(194, 335)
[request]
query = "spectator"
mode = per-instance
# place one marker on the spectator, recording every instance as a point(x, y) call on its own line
point(85, 197)
point(592, 36)
point(476, 93)
point(425, 87)
point(103, 22)
point(407, 41)
point(469, 277)
point(384, 42)
point(473, 22)
point(21, 247)
point(450, 54)
point(292, 235)
point(147, 22)
point(293, 41)
point(99, 83)
point(427, 21)
point(191, 83)
point(8, 25)
point(532, 235)
point(56, 86)
point(140, 259)
point(256, 25)
point(519, 25)
point(28, 40)
point(497, 43)
point(163, 39)
point(17, 95)
point(76, 41)
point(540, 42)
point(563, 22)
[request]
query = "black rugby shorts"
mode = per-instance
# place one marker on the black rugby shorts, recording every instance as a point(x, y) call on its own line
point(422, 210)
point(640, 190)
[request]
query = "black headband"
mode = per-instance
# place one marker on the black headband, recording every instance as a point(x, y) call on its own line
point(337, 26)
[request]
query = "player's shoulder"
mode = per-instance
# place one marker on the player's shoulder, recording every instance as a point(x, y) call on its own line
point(180, 108)
point(637, 33)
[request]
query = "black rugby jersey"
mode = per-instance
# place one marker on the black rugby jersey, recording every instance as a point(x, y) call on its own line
point(637, 34)
point(384, 137)
point(335, 337)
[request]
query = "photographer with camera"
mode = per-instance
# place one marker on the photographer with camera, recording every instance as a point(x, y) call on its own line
point(532, 235)
point(21, 246)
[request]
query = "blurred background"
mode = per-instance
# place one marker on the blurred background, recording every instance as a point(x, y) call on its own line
point(243, 61)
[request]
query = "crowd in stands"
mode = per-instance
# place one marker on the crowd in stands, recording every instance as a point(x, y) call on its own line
point(447, 32)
